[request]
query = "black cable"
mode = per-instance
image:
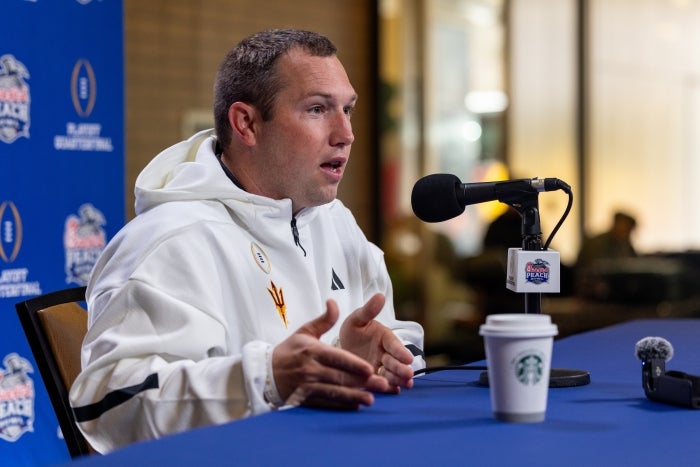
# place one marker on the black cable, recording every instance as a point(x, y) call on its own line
point(433, 369)
point(567, 189)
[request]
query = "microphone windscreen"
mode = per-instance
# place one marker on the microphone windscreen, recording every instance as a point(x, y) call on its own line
point(653, 347)
point(434, 198)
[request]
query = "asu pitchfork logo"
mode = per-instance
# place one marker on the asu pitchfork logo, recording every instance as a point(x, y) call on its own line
point(278, 297)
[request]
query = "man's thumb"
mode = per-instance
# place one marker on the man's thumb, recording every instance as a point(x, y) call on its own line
point(365, 314)
point(321, 325)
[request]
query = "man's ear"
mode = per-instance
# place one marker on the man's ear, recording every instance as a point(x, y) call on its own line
point(243, 120)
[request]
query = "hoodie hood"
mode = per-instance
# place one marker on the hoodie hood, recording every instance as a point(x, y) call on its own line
point(190, 170)
point(186, 171)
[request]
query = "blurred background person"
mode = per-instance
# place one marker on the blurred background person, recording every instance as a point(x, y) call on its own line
point(603, 268)
point(615, 243)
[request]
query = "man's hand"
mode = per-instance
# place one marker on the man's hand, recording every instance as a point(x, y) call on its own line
point(309, 372)
point(362, 335)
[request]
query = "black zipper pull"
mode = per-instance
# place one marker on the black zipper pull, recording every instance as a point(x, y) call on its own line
point(295, 234)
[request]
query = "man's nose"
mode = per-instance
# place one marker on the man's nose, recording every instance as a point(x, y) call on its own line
point(342, 130)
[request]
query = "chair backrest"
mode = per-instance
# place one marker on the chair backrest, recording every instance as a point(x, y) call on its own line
point(55, 325)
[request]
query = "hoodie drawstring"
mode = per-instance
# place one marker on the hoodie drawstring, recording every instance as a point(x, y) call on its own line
point(295, 234)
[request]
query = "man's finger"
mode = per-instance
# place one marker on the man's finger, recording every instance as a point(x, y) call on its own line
point(394, 347)
point(343, 360)
point(332, 396)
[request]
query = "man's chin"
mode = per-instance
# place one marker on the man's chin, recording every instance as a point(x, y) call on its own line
point(326, 198)
point(317, 201)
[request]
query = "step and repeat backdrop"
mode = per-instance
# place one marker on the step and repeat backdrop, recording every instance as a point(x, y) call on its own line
point(61, 184)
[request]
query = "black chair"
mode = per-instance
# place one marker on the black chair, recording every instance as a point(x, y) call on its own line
point(55, 325)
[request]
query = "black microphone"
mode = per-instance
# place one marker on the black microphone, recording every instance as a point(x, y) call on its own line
point(670, 387)
point(440, 197)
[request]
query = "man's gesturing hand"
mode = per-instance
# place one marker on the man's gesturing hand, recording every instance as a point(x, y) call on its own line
point(309, 372)
point(362, 335)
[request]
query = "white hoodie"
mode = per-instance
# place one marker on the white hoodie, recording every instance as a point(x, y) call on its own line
point(188, 299)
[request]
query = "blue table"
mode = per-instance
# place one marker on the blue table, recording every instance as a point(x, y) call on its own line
point(446, 420)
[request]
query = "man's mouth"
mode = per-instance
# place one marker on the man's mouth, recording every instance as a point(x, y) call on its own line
point(333, 166)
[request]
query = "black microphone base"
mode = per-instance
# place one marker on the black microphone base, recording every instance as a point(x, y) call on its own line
point(558, 378)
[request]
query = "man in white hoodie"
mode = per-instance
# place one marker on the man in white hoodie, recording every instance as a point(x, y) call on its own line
point(243, 285)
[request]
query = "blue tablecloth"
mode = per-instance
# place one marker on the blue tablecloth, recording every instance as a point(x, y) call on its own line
point(446, 420)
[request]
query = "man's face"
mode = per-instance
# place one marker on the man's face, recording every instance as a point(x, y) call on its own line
point(304, 149)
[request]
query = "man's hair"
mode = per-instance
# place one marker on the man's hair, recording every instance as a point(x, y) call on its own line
point(248, 72)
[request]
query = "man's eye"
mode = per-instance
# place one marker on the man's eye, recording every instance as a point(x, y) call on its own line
point(316, 109)
point(349, 110)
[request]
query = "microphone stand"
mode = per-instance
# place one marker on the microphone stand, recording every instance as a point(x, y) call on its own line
point(528, 207)
point(531, 233)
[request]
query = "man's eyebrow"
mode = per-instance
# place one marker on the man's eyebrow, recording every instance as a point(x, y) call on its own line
point(352, 100)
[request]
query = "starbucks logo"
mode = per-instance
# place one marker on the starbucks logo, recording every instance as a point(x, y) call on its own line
point(529, 367)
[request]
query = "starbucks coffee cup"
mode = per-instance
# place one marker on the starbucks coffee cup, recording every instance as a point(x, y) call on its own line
point(518, 357)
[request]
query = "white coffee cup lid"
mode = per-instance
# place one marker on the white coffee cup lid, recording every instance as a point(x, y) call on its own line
point(518, 325)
